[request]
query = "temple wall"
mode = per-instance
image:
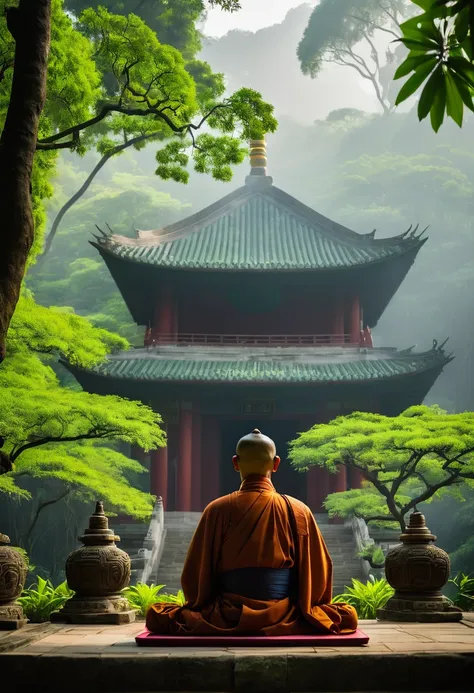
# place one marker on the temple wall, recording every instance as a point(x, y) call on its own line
point(218, 313)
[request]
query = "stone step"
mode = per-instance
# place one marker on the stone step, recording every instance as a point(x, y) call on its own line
point(181, 526)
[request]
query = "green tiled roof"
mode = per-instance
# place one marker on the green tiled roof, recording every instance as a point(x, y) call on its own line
point(149, 368)
point(257, 227)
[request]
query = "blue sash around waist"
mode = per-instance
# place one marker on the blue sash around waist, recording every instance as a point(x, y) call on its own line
point(258, 583)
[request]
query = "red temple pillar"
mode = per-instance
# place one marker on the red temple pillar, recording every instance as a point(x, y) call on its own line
point(196, 503)
point(355, 320)
point(159, 474)
point(337, 320)
point(185, 451)
point(317, 489)
point(356, 478)
point(164, 321)
point(339, 480)
point(173, 446)
point(210, 479)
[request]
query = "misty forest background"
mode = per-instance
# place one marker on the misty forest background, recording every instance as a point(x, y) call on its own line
point(337, 150)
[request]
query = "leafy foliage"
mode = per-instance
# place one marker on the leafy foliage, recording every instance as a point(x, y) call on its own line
point(464, 598)
point(173, 22)
point(56, 331)
point(142, 597)
point(38, 604)
point(177, 599)
point(48, 431)
point(405, 460)
point(441, 45)
point(366, 599)
point(149, 86)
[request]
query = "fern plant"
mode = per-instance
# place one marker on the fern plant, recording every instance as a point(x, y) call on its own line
point(464, 598)
point(38, 604)
point(142, 596)
point(368, 598)
point(178, 599)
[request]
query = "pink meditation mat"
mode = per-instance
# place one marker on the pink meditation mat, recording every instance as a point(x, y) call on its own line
point(147, 639)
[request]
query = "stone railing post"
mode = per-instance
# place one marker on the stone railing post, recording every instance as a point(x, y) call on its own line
point(154, 541)
point(362, 540)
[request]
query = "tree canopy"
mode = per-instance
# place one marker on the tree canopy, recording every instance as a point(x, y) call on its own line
point(441, 53)
point(175, 23)
point(405, 460)
point(52, 432)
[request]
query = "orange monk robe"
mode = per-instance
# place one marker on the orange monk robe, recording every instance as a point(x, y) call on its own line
point(251, 528)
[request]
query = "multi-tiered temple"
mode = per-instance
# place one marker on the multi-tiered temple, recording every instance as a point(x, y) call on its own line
point(257, 312)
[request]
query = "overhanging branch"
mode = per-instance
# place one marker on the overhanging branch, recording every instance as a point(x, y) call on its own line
point(91, 435)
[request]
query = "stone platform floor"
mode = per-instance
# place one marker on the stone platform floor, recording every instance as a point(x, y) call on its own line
point(400, 657)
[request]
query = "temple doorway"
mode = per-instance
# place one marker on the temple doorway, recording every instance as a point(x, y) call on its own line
point(286, 480)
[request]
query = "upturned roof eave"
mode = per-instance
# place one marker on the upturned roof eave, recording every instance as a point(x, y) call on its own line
point(436, 366)
point(411, 247)
point(120, 246)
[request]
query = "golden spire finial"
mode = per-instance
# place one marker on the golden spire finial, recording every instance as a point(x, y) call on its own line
point(258, 158)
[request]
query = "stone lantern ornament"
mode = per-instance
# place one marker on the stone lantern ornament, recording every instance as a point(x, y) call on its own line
point(13, 571)
point(418, 570)
point(97, 572)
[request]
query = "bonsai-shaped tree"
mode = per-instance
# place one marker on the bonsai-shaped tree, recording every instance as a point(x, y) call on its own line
point(59, 442)
point(405, 460)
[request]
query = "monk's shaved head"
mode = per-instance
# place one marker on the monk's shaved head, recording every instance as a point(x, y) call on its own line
point(256, 454)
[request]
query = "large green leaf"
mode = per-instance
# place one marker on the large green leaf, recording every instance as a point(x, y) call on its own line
point(427, 95)
point(416, 80)
point(464, 91)
point(463, 68)
point(422, 28)
point(438, 106)
point(454, 103)
point(424, 4)
point(410, 64)
point(461, 25)
point(420, 44)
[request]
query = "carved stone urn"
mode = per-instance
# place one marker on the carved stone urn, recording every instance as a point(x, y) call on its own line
point(97, 572)
point(13, 571)
point(418, 570)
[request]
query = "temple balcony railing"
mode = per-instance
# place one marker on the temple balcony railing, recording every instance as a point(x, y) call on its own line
point(266, 340)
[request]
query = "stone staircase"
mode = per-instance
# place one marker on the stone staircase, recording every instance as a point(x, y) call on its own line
point(132, 537)
point(180, 528)
point(341, 545)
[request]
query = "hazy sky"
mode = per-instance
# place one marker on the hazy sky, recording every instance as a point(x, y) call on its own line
point(254, 15)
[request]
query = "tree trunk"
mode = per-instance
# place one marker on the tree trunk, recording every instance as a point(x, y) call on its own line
point(30, 25)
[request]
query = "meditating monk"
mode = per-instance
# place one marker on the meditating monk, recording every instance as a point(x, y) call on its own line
point(257, 564)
